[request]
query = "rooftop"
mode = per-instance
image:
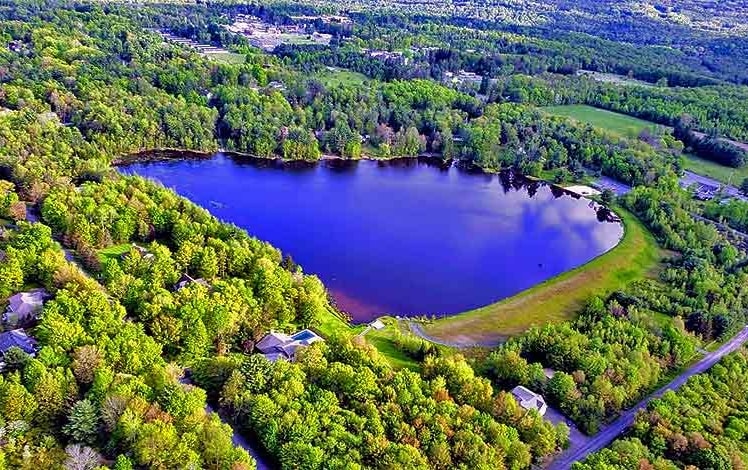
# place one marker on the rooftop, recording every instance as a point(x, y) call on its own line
point(529, 400)
point(25, 305)
point(18, 339)
point(277, 345)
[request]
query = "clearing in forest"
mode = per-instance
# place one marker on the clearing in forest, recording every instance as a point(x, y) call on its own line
point(621, 124)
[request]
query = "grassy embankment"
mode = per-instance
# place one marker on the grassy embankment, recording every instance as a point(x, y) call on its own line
point(114, 251)
point(559, 298)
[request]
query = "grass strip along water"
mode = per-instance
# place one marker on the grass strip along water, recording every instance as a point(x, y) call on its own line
point(559, 298)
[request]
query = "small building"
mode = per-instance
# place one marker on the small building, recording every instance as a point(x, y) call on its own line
point(24, 307)
point(17, 339)
point(275, 345)
point(377, 325)
point(186, 280)
point(143, 252)
point(529, 400)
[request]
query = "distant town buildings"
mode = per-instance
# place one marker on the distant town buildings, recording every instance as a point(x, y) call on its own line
point(462, 77)
point(199, 47)
point(267, 36)
point(389, 56)
point(529, 400)
point(280, 346)
point(327, 19)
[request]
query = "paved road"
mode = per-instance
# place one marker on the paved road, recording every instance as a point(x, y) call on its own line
point(417, 330)
point(613, 430)
point(237, 439)
point(690, 178)
point(618, 188)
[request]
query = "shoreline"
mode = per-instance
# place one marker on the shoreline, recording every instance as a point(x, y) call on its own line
point(171, 153)
point(165, 154)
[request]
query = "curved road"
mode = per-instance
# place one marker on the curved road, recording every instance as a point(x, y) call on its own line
point(417, 330)
point(616, 428)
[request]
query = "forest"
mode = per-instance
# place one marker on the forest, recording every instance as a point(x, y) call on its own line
point(702, 425)
point(128, 367)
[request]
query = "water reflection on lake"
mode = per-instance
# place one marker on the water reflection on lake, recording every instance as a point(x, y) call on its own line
point(405, 237)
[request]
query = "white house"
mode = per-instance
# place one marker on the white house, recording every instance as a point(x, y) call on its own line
point(529, 400)
point(275, 345)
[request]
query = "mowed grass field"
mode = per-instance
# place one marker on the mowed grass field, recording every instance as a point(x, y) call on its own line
point(559, 298)
point(334, 76)
point(621, 124)
point(724, 174)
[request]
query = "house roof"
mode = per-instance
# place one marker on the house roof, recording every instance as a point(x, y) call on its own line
point(271, 341)
point(186, 280)
point(19, 339)
point(25, 305)
point(275, 356)
point(377, 324)
point(528, 399)
point(282, 343)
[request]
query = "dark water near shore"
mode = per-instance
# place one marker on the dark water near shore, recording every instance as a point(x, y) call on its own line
point(406, 237)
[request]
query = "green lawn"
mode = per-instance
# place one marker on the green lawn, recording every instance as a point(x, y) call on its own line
point(621, 124)
point(114, 251)
point(725, 174)
point(332, 325)
point(560, 298)
point(383, 341)
point(341, 77)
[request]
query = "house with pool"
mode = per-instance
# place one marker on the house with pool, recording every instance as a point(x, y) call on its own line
point(280, 346)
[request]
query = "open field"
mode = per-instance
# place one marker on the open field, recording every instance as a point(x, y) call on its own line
point(226, 57)
point(333, 325)
point(559, 298)
point(613, 78)
point(333, 76)
point(383, 341)
point(621, 124)
point(724, 174)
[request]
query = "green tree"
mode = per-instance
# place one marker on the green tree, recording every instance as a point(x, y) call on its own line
point(83, 422)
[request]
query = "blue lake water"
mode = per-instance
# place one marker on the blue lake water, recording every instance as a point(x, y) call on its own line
point(406, 237)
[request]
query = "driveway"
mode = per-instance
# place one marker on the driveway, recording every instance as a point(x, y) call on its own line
point(577, 438)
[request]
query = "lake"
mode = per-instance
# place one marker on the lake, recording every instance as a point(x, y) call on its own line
point(405, 237)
